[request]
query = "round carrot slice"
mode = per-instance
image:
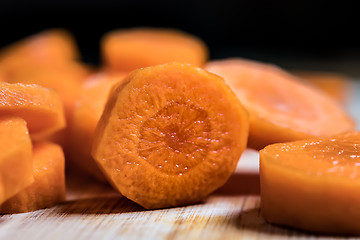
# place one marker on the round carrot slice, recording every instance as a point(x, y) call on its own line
point(313, 184)
point(40, 107)
point(281, 108)
point(129, 49)
point(170, 135)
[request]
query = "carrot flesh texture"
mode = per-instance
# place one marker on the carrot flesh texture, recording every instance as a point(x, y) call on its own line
point(15, 158)
point(281, 108)
point(170, 135)
point(48, 188)
point(129, 49)
point(312, 184)
point(40, 107)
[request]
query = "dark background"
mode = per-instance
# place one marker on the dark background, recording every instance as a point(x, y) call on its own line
point(314, 35)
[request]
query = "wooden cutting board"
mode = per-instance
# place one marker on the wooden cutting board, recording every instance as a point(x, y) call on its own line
point(95, 211)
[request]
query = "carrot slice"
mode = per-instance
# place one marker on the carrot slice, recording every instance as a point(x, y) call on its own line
point(15, 157)
point(48, 188)
point(313, 184)
point(88, 109)
point(47, 47)
point(65, 78)
point(40, 107)
point(281, 108)
point(170, 135)
point(129, 49)
point(335, 84)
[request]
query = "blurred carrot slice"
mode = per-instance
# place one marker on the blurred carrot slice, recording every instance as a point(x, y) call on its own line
point(129, 49)
point(40, 107)
point(88, 109)
point(313, 184)
point(335, 84)
point(281, 108)
point(48, 47)
point(48, 188)
point(15, 157)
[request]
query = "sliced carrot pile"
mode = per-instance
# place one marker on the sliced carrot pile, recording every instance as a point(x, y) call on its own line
point(48, 188)
point(129, 49)
point(170, 135)
point(313, 184)
point(40, 107)
point(281, 108)
point(15, 157)
point(89, 107)
point(335, 84)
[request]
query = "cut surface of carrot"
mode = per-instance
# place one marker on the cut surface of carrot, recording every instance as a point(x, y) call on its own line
point(129, 49)
point(170, 135)
point(15, 157)
point(40, 107)
point(87, 112)
point(48, 188)
point(281, 108)
point(313, 184)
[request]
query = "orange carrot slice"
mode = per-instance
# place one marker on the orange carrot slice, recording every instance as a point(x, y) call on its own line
point(40, 107)
point(15, 157)
point(170, 135)
point(129, 49)
point(65, 78)
point(48, 188)
point(281, 108)
point(335, 84)
point(88, 109)
point(47, 47)
point(313, 184)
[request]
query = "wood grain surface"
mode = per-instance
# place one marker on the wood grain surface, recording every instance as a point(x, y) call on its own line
point(95, 211)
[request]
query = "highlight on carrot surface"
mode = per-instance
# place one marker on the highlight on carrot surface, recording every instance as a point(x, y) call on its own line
point(87, 112)
point(129, 49)
point(281, 108)
point(40, 107)
point(48, 188)
point(313, 184)
point(170, 135)
point(15, 157)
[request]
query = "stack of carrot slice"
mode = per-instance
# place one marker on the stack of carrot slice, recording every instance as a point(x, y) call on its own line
point(30, 112)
